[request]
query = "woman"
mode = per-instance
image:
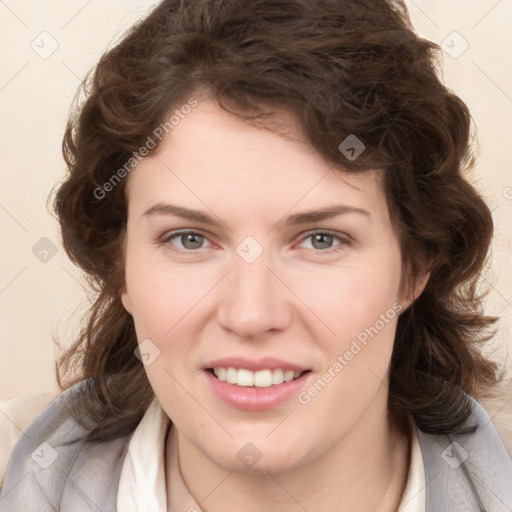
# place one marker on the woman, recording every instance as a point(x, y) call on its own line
point(270, 198)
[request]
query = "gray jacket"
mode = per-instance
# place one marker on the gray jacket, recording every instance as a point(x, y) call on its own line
point(49, 472)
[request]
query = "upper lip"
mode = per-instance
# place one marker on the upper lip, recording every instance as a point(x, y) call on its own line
point(254, 365)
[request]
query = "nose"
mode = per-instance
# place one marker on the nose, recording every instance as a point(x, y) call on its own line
point(253, 300)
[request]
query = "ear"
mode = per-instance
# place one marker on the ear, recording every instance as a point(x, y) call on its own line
point(413, 289)
point(125, 299)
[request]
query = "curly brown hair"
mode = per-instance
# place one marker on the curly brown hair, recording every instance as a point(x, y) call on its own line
point(341, 68)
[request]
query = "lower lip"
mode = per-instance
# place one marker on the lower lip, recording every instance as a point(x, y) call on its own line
point(253, 398)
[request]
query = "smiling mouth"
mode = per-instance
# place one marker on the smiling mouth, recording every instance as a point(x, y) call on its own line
point(260, 379)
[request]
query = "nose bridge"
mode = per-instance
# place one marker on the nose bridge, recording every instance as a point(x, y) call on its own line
point(253, 300)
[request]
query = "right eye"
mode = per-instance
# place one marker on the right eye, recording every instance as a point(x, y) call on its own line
point(186, 241)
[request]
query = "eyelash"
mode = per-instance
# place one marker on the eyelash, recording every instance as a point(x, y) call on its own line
point(343, 240)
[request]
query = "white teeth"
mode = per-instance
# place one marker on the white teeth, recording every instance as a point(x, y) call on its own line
point(259, 379)
point(245, 378)
point(231, 375)
point(288, 375)
point(263, 379)
point(277, 376)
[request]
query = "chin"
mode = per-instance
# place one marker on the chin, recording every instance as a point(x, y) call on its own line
point(258, 458)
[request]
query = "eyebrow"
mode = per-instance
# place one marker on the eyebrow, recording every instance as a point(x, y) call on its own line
point(294, 219)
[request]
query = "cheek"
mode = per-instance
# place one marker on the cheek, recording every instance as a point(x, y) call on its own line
point(162, 296)
point(350, 298)
point(359, 304)
point(165, 311)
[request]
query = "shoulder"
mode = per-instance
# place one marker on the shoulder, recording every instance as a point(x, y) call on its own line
point(473, 469)
point(15, 416)
point(52, 455)
point(499, 410)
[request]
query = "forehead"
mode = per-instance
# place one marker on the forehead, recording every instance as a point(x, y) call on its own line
point(212, 155)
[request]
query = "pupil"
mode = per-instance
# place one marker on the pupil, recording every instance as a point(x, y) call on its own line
point(326, 240)
point(192, 241)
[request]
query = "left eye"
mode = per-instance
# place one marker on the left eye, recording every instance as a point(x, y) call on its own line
point(320, 241)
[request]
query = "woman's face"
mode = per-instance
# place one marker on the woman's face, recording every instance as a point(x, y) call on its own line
point(249, 257)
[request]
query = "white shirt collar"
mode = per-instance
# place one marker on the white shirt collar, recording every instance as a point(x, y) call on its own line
point(414, 498)
point(142, 482)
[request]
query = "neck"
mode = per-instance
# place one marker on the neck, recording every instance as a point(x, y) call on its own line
point(365, 471)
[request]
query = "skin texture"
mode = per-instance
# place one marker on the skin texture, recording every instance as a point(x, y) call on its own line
point(295, 302)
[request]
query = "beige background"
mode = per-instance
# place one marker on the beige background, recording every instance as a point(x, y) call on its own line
point(40, 300)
